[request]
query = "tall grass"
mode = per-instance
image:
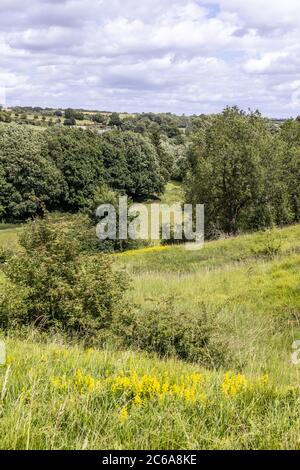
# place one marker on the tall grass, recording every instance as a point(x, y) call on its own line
point(61, 397)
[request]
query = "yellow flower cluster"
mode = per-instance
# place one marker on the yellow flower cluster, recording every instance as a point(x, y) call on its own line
point(133, 390)
point(233, 384)
point(79, 382)
point(84, 382)
point(138, 389)
point(123, 414)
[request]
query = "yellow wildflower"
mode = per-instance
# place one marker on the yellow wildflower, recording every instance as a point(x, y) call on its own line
point(59, 383)
point(233, 384)
point(123, 414)
point(137, 400)
point(150, 385)
point(196, 378)
point(189, 395)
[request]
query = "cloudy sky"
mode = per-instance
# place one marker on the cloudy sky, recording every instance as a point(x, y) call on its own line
point(183, 56)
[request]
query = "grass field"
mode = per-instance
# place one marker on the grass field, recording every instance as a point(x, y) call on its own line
point(43, 120)
point(8, 236)
point(56, 395)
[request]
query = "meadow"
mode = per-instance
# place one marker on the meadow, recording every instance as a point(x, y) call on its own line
point(60, 395)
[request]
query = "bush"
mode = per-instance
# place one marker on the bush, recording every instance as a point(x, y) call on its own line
point(168, 332)
point(5, 254)
point(12, 304)
point(62, 286)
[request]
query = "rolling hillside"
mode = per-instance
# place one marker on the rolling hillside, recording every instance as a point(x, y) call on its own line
point(59, 395)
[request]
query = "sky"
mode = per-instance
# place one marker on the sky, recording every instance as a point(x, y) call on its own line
point(180, 56)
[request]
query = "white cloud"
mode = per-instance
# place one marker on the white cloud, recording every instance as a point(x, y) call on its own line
point(183, 56)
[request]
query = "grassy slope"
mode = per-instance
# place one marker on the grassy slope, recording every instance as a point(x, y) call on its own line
point(254, 297)
point(46, 403)
point(8, 236)
point(56, 397)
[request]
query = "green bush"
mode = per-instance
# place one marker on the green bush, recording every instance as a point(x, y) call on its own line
point(166, 331)
point(5, 254)
point(12, 304)
point(62, 286)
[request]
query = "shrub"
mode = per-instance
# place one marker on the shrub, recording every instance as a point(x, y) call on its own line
point(12, 304)
point(168, 332)
point(5, 254)
point(62, 286)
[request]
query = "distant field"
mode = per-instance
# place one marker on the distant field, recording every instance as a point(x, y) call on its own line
point(41, 120)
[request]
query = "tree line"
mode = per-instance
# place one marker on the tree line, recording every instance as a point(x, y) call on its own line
point(65, 169)
point(243, 168)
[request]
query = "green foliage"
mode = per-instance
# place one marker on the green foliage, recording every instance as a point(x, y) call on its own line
point(98, 118)
point(30, 182)
point(70, 113)
point(143, 166)
point(4, 116)
point(61, 286)
point(167, 331)
point(237, 167)
point(290, 134)
point(131, 164)
point(76, 154)
point(115, 120)
point(69, 122)
point(66, 168)
point(5, 254)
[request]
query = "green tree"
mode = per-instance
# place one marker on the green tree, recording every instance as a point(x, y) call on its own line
point(290, 134)
point(115, 120)
point(131, 164)
point(236, 171)
point(77, 154)
point(31, 182)
point(70, 113)
point(70, 122)
point(143, 165)
point(99, 118)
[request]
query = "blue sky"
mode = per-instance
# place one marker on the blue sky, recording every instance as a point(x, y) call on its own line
point(183, 56)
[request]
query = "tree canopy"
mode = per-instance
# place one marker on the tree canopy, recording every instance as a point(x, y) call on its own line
point(237, 171)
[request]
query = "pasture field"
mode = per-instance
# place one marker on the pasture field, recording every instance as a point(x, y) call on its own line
point(59, 395)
